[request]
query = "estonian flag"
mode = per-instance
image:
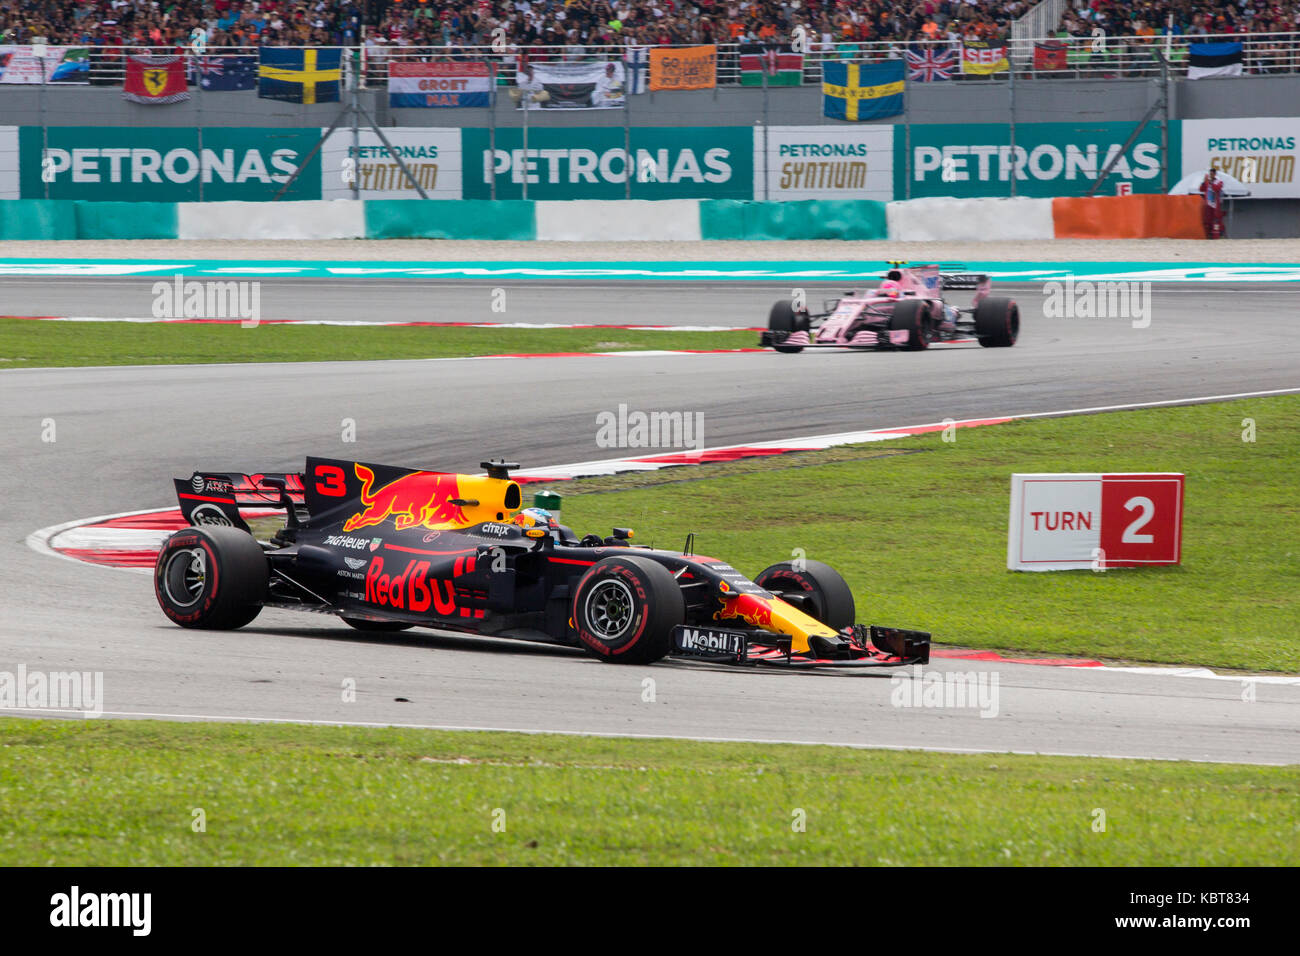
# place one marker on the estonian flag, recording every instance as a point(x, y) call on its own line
point(862, 91)
point(1213, 59)
point(299, 76)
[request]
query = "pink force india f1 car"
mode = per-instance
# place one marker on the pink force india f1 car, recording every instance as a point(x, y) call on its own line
point(906, 311)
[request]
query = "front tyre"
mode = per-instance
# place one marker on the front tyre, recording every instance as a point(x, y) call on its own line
point(912, 316)
point(625, 608)
point(997, 323)
point(784, 319)
point(211, 577)
point(815, 588)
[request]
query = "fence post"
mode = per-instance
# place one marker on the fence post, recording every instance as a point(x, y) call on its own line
point(766, 177)
point(356, 136)
point(907, 145)
point(489, 166)
point(628, 166)
point(1011, 126)
point(1164, 125)
point(198, 112)
point(45, 132)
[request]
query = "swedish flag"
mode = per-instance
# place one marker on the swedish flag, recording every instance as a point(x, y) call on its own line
point(299, 76)
point(862, 91)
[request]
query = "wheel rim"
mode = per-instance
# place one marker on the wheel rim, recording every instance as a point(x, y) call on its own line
point(609, 609)
point(184, 576)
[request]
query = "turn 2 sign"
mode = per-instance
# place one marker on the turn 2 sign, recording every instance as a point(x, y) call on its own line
point(1064, 522)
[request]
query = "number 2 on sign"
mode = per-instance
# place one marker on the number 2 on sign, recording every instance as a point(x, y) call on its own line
point(1148, 509)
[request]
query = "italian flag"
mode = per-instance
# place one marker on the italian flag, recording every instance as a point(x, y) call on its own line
point(782, 67)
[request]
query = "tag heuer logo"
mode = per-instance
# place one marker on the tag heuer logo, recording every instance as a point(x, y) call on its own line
point(375, 543)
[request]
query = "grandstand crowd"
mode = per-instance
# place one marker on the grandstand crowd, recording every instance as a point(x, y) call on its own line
point(827, 24)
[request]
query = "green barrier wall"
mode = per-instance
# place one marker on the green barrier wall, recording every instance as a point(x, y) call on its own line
point(125, 220)
point(801, 219)
point(450, 219)
point(37, 219)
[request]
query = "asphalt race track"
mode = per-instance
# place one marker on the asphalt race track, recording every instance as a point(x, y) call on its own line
point(123, 433)
point(621, 302)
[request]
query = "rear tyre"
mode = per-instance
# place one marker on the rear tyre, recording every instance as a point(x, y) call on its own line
point(625, 608)
point(912, 317)
point(784, 318)
point(997, 323)
point(361, 625)
point(817, 588)
point(211, 577)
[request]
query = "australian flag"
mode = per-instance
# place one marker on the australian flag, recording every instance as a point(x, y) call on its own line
point(223, 73)
point(927, 64)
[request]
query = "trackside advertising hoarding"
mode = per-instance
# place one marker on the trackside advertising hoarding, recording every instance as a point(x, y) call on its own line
point(1261, 152)
point(789, 163)
point(156, 164)
point(431, 155)
point(967, 160)
point(592, 163)
point(825, 162)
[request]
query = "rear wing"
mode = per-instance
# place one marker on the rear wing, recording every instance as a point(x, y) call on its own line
point(965, 281)
point(216, 497)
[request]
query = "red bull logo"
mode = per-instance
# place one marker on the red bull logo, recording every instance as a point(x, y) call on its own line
point(751, 609)
point(422, 498)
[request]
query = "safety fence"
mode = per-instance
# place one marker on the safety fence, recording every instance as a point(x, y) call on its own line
point(1097, 55)
point(599, 221)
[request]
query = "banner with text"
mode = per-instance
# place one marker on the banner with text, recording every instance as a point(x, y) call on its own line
point(571, 86)
point(592, 163)
point(826, 162)
point(1261, 152)
point(55, 64)
point(692, 68)
point(166, 164)
point(438, 85)
point(431, 155)
point(1047, 159)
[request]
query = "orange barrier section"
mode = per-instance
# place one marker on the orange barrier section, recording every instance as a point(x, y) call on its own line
point(1128, 217)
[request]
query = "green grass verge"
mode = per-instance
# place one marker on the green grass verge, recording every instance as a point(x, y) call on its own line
point(124, 793)
point(25, 343)
point(918, 526)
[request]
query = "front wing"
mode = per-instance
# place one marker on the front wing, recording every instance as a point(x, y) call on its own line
point(868, 646)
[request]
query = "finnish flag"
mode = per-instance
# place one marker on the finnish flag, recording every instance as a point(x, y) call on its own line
point(636, 68)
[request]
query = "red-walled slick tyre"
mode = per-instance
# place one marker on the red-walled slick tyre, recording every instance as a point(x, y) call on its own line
point(817, 588)
point(211, 577)
point(625, 608)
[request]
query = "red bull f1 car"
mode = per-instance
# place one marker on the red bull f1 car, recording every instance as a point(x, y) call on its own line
point(906, 311)
point(387, 548)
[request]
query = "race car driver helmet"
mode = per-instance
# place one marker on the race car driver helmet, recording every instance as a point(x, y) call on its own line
point(534, 518)
point(891, 287)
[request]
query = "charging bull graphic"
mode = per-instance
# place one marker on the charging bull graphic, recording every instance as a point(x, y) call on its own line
point(749, 608)
point(422, 498)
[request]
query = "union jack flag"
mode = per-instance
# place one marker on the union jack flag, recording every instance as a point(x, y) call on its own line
point(928, 64)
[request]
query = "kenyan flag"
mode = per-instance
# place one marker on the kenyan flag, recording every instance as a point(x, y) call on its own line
point(783, 68)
